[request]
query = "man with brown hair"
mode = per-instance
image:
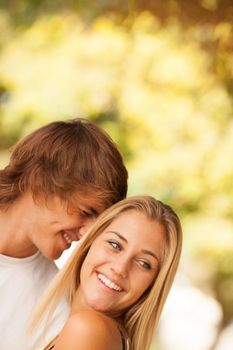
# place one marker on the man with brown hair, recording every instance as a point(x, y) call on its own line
point(59, 178)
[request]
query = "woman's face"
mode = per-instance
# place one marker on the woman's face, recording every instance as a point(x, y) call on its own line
point(121, 263)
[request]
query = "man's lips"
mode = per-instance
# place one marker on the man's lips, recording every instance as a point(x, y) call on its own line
point(69, 237)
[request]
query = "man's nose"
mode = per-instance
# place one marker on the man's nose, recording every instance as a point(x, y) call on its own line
point(86, 224)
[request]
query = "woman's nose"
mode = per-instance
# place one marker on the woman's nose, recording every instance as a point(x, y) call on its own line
point(120, 267)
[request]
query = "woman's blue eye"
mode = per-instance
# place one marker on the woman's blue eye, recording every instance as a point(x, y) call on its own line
point(115, 245)
point(145, 265)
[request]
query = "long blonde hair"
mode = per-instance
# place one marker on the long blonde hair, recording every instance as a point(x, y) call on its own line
point(141, 319)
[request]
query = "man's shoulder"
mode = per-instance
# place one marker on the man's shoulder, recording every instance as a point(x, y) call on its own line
point(30, 276)
point(48, 266)
point(26, 271)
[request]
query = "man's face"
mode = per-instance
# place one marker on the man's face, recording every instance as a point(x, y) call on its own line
point(51, 228)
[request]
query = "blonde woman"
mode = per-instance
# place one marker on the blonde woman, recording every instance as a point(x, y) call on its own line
point(118, 278)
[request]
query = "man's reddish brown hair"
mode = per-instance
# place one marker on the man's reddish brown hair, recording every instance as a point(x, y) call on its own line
point(65, 158)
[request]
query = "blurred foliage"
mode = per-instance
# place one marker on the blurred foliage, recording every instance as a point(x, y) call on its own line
point(189, 12)
point(160, 82)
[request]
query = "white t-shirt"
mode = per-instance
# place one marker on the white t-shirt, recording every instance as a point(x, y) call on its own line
point(22, 282)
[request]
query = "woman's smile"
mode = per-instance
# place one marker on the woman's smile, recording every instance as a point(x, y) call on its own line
point(107, 282)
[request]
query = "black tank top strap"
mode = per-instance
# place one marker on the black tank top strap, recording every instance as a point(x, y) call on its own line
point(123, 340)
point(123, 343)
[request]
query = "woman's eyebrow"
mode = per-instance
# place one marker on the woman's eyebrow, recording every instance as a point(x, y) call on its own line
point(148, 252)
point(119, 235)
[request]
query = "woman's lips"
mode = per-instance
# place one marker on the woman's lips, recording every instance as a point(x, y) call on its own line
point(109, 283)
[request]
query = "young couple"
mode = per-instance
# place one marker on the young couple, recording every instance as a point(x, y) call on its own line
point(64, 182)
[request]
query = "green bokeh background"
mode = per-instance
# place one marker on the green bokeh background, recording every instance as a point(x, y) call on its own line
point(158, 77)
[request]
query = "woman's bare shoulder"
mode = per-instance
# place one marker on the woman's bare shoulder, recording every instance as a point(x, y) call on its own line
point(92, 321)
point(89, 330)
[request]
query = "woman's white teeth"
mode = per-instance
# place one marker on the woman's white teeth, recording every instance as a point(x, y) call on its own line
point(109, 283)
point(67, 238)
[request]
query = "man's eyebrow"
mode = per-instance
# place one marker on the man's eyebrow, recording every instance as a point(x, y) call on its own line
point(90, 211)
point(144, 251)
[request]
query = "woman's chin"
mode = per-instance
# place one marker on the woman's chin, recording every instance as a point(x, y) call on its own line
point(100, 306)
